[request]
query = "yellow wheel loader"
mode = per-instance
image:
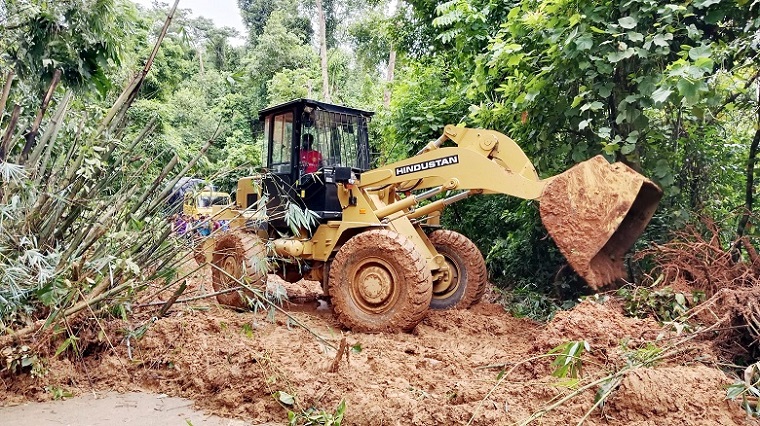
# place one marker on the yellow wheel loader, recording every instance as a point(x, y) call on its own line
point(375, 243)
point(197, 204)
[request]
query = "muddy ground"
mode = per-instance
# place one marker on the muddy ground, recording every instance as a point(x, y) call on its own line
point(480, 366)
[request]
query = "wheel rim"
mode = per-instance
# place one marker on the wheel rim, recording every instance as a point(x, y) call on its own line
point(448, 283)
point(373, 285)
point(231, 266)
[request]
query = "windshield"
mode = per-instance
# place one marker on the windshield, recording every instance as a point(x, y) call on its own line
point(208, 201)
point(341, 139)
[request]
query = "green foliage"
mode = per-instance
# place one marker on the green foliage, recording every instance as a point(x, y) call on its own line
point(663, 304)
point(54, 248)
point(58, 393)
point(290, 84)
point(519, 256)
point(659, 86)
point(374, 37)
point(198, 88)
point(298, 218)
point(68, 343)
point(646, 356)
point(81, 38)
point(747, 394)
point(527, 301)
point(313, 416)
point(278, 49)
point(81, 222)
point(257, 13)
point(18, 359)
point(423, 102)
point(568, 362)
point(747, 390)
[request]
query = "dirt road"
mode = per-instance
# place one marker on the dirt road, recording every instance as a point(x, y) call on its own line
point(128, 409)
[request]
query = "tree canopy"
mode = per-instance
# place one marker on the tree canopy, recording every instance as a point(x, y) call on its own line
point(670, 88)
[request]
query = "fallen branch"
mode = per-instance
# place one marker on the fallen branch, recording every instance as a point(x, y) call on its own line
point(342, 351)
point(38, 325)
point(189, 299)
point(172, 300)
point(261, 297)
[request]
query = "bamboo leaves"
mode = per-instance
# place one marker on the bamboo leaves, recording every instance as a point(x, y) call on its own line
point(68, 209)
point(568, 362)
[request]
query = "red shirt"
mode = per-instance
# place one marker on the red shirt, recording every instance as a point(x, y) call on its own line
point(311, 160)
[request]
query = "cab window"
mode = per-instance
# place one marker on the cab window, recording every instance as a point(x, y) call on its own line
point(220, 200)
point(282, 139)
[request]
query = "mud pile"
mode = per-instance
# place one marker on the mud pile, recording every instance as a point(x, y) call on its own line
point(682, 395)
point(480, 364)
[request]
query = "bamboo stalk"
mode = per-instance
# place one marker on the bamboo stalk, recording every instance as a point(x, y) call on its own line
point(170, 187)
point(156, 182)
point(168, 304)
point(188, 299)
point(150, 126)
point(132, 95)
point(117, 105)
point(31, 136)
point(74, 144)
point(5, 144)
point(50, 136)
point(32, 160)
point(37, 326)
point(6, 92)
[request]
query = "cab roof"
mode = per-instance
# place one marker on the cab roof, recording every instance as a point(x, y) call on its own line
point(304, 102)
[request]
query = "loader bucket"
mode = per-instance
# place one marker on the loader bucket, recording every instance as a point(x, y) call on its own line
point(595, 211)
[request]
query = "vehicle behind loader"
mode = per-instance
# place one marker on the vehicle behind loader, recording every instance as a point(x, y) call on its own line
point(376, 247)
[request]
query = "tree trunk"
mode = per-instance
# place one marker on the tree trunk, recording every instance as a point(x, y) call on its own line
point(200, 60)
point(323, 51)
point(749, 188)
point(389, 78)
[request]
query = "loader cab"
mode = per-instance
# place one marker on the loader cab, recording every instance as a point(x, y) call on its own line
point(308, 144)
point(201, 203)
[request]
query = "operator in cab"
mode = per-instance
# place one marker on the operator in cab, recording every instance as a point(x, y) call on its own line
point(311, 160)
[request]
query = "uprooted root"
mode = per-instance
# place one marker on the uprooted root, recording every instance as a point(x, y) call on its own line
point(735, 315)
point(731, 283)
point(696, 262)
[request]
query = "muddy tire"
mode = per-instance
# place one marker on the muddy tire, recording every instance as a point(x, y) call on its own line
point(466, 283)
point(379, 282)
point(238, 255)
point(198, 253)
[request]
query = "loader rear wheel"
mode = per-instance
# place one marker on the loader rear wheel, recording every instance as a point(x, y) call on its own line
point(237, 256)
point(379, 282)
point(199, 252)
point(465, 283)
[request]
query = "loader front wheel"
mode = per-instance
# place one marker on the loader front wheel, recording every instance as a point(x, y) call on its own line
point(465, 282)
point(379, 282)
point(237, 256)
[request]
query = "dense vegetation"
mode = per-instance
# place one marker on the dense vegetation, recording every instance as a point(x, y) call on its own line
point(670, 88)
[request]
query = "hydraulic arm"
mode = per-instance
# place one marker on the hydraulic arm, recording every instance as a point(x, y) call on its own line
point(594, 211)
